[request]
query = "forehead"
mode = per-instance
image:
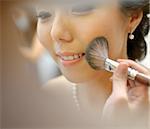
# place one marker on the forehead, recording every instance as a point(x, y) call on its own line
point(69, 3)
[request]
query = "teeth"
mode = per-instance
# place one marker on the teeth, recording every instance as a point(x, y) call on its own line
point(69, 58)
point(76, 56)
point(65, 57)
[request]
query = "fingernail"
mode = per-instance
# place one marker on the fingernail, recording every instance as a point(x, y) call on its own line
point(122, 68)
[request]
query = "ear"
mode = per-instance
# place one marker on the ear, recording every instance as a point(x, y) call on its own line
point(134, 20)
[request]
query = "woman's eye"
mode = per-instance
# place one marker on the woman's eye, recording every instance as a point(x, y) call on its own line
point(82, 9)
point(44, 15)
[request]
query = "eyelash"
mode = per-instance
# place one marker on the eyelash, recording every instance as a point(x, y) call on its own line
point(82, 10)
point(44, 15)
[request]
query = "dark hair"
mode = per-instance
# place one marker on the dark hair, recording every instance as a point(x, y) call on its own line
point(137, 48)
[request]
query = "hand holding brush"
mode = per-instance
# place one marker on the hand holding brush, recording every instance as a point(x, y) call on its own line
point(127, 105)
point(128, 102)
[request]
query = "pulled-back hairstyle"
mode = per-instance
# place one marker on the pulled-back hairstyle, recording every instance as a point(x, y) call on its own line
point(137, 48)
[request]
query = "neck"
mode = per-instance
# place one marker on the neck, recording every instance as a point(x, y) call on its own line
point(93, 94)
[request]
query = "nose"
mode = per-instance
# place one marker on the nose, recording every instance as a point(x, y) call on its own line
point(60, 31)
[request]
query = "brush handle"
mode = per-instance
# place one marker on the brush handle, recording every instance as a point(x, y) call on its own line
point(111, 65)
point(142, 78)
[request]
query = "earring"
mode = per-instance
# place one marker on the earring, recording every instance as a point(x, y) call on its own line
point(131, 36)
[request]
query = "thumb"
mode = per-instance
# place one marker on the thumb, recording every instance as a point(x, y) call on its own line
point(120, 80)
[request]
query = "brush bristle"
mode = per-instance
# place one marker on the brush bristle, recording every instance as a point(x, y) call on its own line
point(97, 52)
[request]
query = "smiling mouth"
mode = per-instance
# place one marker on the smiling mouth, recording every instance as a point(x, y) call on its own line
point(68, 58)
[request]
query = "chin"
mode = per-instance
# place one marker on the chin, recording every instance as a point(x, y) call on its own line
point(81, 73)
point(80, 78)
point(74, 79)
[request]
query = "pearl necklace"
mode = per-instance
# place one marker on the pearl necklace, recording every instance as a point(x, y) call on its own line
point(74, 92)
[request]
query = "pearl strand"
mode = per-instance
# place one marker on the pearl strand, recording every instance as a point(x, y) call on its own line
point(74, 92)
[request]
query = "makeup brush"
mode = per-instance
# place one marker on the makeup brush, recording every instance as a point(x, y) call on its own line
point(97, 57)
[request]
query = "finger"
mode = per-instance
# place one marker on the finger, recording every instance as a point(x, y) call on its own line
point(120, 80)
point(135, 65)
point(131, 83)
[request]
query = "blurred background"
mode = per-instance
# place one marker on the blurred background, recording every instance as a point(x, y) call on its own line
point(25, 66)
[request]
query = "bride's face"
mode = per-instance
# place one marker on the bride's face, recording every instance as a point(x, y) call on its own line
point(66, 34)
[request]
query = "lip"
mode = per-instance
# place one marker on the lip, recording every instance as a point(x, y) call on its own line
point(70, 62)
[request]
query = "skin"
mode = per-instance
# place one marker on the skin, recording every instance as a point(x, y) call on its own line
point(69, 32)
point(73, 33)
point(129, 99)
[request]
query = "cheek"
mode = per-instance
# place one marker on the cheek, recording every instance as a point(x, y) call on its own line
point(88, 29)
point(117, 37)
point(43, 32)
point(113, 30)
point(115, 41)
point(102, 25)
